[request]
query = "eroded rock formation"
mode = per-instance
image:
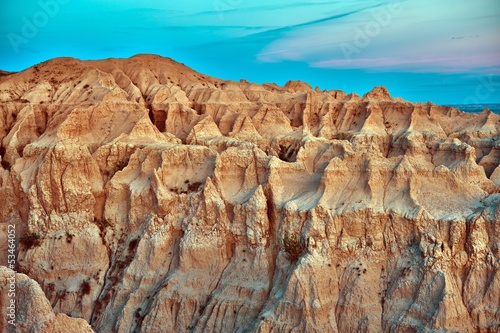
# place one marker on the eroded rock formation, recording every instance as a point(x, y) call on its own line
point(151, 198)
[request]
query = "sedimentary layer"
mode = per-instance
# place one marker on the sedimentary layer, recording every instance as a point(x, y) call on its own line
point(147, 197)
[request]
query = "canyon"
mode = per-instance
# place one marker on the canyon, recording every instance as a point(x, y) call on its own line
point(147, 197)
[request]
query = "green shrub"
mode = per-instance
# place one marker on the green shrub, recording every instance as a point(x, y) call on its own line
point(293, 247)
point(85, 288)
point(30, 240)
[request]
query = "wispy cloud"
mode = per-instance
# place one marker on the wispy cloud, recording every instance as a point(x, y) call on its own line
point(487, 64)
point(361, 42)
point(419, 37)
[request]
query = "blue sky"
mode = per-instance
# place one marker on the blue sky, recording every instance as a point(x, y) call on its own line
point(445, 51)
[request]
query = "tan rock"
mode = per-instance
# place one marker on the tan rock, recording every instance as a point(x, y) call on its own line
point(147, 197)
point(33, 311)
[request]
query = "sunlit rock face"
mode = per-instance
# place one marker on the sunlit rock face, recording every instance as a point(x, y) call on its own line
point(147, 197)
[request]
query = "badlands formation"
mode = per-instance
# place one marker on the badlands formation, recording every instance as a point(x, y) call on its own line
point(147, 197)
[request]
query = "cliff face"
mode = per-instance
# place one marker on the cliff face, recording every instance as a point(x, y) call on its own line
point(151, 198)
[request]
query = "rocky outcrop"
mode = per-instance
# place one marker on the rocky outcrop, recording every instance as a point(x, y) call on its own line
point(147, 197)
point(33, 312)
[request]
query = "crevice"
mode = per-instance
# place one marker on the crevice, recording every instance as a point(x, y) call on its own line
point(147, 304)
point(123, 257)
point(213, 291)
point(157, 117)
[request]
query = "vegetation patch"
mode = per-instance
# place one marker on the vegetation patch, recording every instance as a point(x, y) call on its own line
point(30, 240)
point(103, 224)
point(293, 247)
point(188, 187)
point(85, 288)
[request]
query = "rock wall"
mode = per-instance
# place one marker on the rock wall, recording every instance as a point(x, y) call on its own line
point(151, 198)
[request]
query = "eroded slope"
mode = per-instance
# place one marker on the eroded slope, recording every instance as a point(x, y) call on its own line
point(161, 199)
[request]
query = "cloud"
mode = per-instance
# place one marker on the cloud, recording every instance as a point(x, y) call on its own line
point(398, 36)
point(487, 64)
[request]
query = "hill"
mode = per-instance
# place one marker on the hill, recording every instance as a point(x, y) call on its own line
point(147, 196)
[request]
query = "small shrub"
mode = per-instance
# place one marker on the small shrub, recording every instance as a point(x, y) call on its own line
point(6, 165)
point(86, 86)
point(194, 187)
point(30, 240)
point(103, 224)
point(293, 247)
point(85, 288)
point(179, 190)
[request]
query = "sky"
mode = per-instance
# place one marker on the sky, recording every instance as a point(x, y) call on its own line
point(445, 51)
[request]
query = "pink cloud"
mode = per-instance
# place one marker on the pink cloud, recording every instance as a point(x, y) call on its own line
point(428, 64)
